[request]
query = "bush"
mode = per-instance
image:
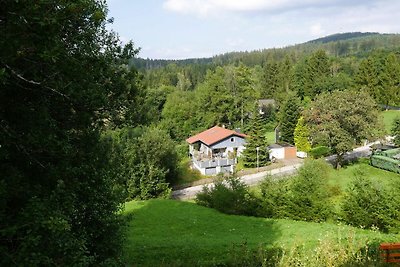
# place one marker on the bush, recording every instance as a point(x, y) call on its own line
point(309, 192)
point(229, 196)
point(319, 152)
point(396, 130)
point(304, 197)
point(144, 160)
point(275, 198)
point(369, 205)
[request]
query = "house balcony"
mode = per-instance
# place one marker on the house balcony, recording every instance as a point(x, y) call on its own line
point(212, 163)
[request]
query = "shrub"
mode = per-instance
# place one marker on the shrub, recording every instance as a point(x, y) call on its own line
point(305, 197)
point(369, 205)
point(319, 152)
point(229, 196)
point(396, 130)
point(275, 198)
point(144, 160)
point(309, 192)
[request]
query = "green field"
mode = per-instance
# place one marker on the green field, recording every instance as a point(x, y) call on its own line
point(344, 176)
point(270, 136)
point(341, 179)
point(169, 232)
point(388, 118)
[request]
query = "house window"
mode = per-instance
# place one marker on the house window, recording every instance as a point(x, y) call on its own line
point(233, 139)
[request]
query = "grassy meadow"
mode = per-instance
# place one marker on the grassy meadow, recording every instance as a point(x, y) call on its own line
point(343, 177)
point(170, 232)
point(388, 118)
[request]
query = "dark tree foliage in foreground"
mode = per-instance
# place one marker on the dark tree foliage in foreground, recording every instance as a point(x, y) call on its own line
point(368, 204)
point(144, 160)
point(61, 79)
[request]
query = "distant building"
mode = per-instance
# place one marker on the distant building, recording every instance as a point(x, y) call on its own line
point(265, 103)
point(216, 150)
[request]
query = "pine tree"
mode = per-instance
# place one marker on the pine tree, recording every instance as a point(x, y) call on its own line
point(289, 117)
point(256, 139)
point(301, 135)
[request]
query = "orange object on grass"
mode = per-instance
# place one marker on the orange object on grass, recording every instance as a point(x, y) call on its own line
point(390, 252)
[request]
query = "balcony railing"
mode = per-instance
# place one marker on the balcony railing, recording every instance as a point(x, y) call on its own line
point(214, 162)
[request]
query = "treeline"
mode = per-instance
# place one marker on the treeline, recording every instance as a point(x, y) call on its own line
point(356, 44)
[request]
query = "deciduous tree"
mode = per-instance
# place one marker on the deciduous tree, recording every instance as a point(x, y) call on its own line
point(342, 119)
point(62, 81)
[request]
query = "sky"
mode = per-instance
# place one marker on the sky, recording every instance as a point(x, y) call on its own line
point(179, 29)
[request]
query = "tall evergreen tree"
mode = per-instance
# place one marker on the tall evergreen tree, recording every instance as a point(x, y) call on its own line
point(289, 116)
point(270, 82)
point(379, 75)
point(256, 141)
point(317, 72)
point(311, 75)
point(391, 94)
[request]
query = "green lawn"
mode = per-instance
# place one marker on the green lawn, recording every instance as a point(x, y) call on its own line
point(388, 117)
point(344, 176)
point(169, 232)
point(270, 136)
point(341, 179)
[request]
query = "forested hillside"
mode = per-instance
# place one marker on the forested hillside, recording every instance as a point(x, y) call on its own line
point(191, 95)
point(341, 44)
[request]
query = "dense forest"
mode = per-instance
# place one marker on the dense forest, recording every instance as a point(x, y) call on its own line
point(190, 95)
point(85, 125)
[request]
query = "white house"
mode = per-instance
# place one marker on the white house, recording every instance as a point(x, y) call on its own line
point(216, 150)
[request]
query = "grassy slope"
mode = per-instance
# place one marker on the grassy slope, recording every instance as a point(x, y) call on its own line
point(388, 117)
point(344, 176)
point(168, 231)
point(342, 179)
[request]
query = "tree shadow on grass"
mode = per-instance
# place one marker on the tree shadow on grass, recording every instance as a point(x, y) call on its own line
point(175, 233)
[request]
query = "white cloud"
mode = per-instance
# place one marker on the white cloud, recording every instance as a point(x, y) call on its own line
point(201, 8)
point(316, 30)
point(180, 52)
point(236, 42)
point(212, 7)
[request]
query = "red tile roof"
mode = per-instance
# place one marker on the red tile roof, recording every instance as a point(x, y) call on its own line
point(213, 135)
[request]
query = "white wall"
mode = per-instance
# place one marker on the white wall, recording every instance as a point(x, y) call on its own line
point(278, 153)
